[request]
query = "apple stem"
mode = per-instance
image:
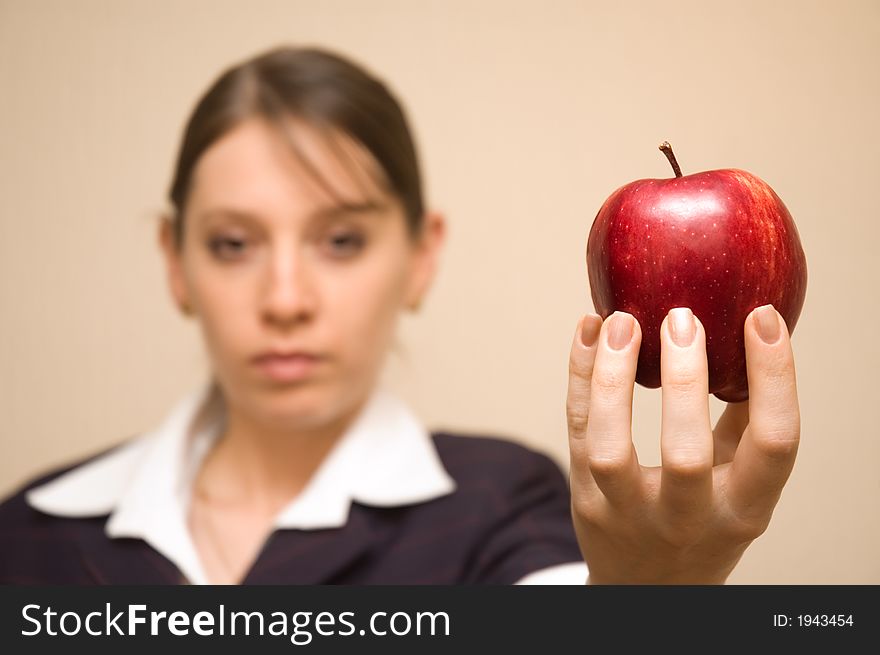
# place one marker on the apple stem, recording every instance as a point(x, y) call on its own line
point(667, 150)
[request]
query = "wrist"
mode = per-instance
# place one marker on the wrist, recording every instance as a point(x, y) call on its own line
point(657, 578)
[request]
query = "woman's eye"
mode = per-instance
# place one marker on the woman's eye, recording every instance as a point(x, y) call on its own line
point(227, 247)
point(347, 243)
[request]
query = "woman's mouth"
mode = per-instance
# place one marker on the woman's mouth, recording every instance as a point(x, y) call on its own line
point(287, 367)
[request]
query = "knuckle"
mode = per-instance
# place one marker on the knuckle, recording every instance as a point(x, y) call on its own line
point(777, 445)
point(745, 530)
point(588, 506)
point(578, 417)
point(608, 382)
point(577, 370)
point(686, 466)
point(682, 533)
point(586, 509)
point(780, 420)
point(683, 382)
point(608, 464)
point(782, 364)
point(776, 371)
point(775, 384)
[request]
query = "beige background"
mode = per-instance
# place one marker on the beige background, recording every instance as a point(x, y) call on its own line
point(528, 114)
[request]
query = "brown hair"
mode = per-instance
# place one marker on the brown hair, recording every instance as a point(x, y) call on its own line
point(326, 90)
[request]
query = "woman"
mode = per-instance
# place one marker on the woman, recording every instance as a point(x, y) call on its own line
point(298, 235)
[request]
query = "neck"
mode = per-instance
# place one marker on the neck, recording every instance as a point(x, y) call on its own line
point(263, 466)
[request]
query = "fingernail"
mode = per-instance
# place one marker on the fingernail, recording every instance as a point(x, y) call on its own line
point(590, 330)
point(682, 326)
point(620, 331)
point(767, 323)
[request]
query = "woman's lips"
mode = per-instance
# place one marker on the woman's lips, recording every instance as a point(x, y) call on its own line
point(287, 368)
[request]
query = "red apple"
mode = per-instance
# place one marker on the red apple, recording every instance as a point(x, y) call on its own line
point(720, 242)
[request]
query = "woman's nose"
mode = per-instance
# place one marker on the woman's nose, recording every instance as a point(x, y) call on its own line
point(289, 297)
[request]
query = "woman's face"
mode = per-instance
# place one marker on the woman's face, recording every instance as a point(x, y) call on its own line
point(272, 263)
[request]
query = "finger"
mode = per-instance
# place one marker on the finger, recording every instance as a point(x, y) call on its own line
point(580, 371)
point(611, 456)
point(766, 453)
point(686, 448)
point(728, 431)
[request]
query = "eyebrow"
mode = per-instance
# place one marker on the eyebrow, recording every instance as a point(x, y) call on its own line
point(341, 209)
point(366, 207)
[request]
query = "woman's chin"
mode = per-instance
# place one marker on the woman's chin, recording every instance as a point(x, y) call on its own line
point(294, 408)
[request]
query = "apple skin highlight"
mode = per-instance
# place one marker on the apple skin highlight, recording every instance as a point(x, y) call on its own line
point(720, 242)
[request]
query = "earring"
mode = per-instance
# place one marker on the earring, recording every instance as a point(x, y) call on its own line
point(186, 309)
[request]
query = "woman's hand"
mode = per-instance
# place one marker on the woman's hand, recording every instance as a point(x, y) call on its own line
point(689, 520)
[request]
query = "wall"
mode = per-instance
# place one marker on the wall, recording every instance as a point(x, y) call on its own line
point(528, 115)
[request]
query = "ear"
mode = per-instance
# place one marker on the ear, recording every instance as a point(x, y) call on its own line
point(174, 265)
point(426, 258)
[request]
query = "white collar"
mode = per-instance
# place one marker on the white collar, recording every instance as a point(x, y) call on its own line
point(385, 458)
